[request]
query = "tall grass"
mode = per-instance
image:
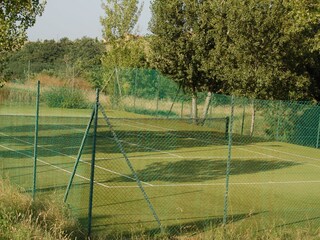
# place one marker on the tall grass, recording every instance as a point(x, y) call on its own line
point(62, 97)
point(231, 231)
point(12, 94)
point(44, 218)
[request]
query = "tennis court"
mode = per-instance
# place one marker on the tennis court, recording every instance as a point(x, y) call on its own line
point(182, 168)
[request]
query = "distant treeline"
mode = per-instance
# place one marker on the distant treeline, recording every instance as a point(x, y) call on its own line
point(63, 58)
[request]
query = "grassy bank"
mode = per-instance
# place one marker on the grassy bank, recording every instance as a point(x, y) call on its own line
point(47, 219)
point(44, 218)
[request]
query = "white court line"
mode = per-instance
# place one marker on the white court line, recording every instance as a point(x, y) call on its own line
point(135, 144)
point(74, 158)
point(165, 185)
point(223, 184)
point(290, 154)
point(48, 164)
point(279, 158)
point(184, 157)
point(241, 148)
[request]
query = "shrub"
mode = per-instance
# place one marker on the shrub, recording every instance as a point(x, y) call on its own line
point(62, 97)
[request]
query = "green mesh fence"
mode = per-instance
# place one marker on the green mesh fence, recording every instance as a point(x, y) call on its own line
point(173, 160)
point(59, 137)
point(275, 164)
point(180, 162)
point(17, 135)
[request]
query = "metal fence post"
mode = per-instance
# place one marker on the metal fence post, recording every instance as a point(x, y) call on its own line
point(278, 121)
point(225, 210)
point(78, 156)
point(135, 89)
point(124, 154)
point(318, 136)
point(157, 93)
point(227, 127)
point(36, 143)
point(95, 126)
point(181, 114)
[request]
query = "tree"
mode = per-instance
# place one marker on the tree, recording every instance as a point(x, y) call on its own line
point(122, 45)
point(181, 42)
point(82, 56)
point(63, 58)
point(262, 51)
point(15, 18)
point(266, 48)
point(303, 27)
point(124, 49)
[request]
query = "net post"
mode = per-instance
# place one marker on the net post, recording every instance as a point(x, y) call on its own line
point(225, 210)
point(95, 126)
point(36, 135)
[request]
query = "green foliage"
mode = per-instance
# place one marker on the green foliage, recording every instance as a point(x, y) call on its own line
point(82, 56)
point(124, 48)
point(260, 51)
point(63, 58)
point(65, 98)
point(121, 18)
point(96, 76)
point(15, 18)
point(252, 48)
point(137, 83)
point(181, 43)
point(148, 84)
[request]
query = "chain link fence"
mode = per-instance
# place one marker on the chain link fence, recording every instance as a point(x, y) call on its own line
point(156, 169)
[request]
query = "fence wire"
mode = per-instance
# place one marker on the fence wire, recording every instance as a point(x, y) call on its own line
point(180, 162)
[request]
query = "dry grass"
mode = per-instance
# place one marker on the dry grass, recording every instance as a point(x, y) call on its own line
point(229, 232)
point(239, 232)
point(44, 218)
point(51, 81)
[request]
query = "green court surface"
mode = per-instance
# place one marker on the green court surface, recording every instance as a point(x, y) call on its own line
point(182, 169)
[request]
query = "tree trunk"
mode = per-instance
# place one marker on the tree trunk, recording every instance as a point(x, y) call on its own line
point(253, 118)
point(194, 108)
point(206, 107)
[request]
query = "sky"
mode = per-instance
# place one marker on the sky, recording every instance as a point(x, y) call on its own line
point(76, 19)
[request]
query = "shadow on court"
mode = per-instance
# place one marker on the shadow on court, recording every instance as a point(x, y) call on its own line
point(202, 170)
point(59, 139)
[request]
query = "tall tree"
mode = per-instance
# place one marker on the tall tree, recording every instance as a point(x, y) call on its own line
point(119, 22)
point(15, 18)
point(303, 27)
point(124, 48)
point(181, 43)
point(262, 51)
